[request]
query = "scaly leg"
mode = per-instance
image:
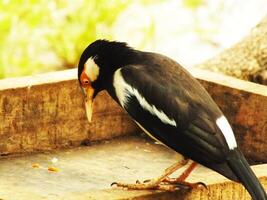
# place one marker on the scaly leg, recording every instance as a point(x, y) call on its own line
point(155, 183)
point(181, 179)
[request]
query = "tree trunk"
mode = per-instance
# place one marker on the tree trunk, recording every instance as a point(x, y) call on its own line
point(245, 60)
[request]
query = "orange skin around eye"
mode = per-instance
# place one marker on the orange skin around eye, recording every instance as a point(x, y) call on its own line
point(85, 81)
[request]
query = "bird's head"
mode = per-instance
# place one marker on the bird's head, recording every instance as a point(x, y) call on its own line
point(96, 67)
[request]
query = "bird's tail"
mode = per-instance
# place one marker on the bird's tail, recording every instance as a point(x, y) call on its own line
point(237, 162)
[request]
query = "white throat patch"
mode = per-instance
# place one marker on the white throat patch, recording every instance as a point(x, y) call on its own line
point(124, 90)
point(91, 69)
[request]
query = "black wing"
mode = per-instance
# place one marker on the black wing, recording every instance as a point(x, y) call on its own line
point(165, 85)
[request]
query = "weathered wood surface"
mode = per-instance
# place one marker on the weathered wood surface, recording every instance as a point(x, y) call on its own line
point(87, 172)
point(46, 111)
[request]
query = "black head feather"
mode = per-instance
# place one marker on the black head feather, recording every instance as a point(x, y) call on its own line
point(108, 55)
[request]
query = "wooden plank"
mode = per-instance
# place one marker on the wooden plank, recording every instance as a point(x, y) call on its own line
point(87, 172)
point(46, 112)
point(222, 190)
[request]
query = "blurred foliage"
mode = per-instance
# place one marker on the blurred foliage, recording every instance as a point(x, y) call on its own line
point(40, 35)
point(193, 4)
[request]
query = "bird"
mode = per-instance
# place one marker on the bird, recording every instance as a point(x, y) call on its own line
point(171, 106)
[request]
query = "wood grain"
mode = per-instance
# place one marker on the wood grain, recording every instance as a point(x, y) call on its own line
point(47, 111)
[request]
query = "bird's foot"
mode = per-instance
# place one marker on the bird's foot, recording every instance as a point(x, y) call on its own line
point(156, 184)
point(179, 182)
point(181, 179)
point(168, 184)
point(153, 184)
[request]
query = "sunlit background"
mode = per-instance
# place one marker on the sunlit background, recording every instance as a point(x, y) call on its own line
point(38, 35)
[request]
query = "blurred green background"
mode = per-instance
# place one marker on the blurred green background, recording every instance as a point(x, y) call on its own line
point(40, 35)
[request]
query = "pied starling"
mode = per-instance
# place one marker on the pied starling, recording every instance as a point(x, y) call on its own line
point(170, 105)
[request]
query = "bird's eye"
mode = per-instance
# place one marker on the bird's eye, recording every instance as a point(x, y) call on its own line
point(86, 81)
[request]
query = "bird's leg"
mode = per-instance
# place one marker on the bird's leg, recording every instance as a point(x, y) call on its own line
point(181, 179)
point(184, 175)
point(155, 183)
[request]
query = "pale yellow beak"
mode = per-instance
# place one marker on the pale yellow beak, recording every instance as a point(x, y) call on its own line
point(89, 103)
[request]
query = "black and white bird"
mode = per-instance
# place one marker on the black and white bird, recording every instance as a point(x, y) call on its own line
point(170, 105)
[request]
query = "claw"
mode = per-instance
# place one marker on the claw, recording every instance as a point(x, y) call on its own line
point(202, 184)
point(181, 183)
point(192, 185)
point(114, 183)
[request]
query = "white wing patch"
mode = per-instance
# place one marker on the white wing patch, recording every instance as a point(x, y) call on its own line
point(227, 131)
point(91, 69)
point(124, 90)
